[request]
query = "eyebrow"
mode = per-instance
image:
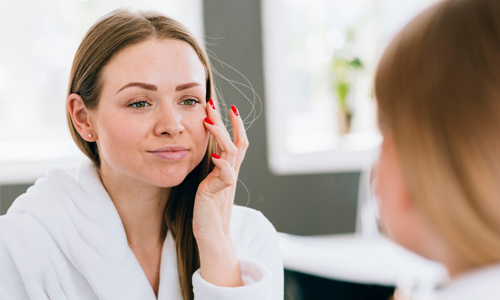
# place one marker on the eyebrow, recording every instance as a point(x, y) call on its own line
point(146, 86)
point(152, 87)
point(186, 86)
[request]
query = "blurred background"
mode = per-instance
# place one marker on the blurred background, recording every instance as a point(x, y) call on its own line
point(304, 68)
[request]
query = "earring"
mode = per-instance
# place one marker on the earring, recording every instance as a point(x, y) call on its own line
point(90, 135)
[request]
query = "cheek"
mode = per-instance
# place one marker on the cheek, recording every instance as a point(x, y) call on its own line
point(383, 187)
point(117, 134)
point(383, 180)
point(393, 196)
point(194, 124)
point(390, 190)
point(199, 134)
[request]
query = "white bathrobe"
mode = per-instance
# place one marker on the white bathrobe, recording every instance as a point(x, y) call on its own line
point(483, 284)
point(64, 239)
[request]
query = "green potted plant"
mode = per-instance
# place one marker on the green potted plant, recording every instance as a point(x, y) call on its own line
point(344, 70)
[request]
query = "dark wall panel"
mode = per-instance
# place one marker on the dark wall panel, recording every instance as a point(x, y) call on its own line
point(302, 204)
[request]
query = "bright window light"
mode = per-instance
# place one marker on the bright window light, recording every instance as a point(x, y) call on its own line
point(38, 40)
point(320, 57)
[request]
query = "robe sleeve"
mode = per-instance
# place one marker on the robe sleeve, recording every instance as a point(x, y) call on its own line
point(261, 267)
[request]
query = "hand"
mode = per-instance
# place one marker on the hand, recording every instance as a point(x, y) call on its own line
point(214, 201)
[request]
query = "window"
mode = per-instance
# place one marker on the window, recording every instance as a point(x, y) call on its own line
point(38, 40)
point(319, 58)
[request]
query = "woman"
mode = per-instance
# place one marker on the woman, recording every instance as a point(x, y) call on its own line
point(438, 179)
point(151, 215)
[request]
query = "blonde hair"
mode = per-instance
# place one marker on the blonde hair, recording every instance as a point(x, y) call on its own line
point(438, 93)
point(113, 33)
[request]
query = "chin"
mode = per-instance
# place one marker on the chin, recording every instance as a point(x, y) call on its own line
point(168, 178)
point(165, 182)
point(410, 239)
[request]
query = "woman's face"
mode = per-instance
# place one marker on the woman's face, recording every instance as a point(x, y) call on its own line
point(396, 209)
point(400, 215)
point(149, 121)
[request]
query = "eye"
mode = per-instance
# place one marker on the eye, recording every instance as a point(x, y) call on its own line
point(140, 104)
point(189, 102)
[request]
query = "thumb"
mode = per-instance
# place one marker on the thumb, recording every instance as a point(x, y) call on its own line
point(221, 177)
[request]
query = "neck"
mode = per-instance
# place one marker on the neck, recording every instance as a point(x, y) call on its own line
point(140, 206)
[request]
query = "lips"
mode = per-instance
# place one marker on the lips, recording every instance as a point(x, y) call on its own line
point(170, 152)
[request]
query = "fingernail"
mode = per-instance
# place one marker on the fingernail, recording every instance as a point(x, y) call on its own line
point(235, 110)
point(211, 102)
point(215, 156)
point(207, 119)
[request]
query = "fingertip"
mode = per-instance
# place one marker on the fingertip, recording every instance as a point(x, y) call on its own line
point(235, 110)
point(216, 159)
point(209, 121)
point(211, 103)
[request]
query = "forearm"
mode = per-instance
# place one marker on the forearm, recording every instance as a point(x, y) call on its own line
point(219, 264)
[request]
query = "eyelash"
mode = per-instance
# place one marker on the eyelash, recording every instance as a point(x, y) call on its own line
point(138, 101)
point(144, 101)
point(195, 101)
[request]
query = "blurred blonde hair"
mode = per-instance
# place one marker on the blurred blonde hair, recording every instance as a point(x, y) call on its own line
point(438, 93)
point(107, 37)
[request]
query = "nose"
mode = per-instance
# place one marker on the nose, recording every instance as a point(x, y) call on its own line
point(168, 122)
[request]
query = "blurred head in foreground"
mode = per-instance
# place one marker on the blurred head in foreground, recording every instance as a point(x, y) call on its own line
point(438, 93)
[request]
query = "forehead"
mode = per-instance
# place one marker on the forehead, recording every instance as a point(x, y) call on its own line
point(165, 63)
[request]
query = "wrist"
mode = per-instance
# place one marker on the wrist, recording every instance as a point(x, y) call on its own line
point(221, 249)
point(219, 264)
point(211, 243)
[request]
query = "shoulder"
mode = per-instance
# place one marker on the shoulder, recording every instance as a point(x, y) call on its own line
point(246, 212)
point(13, 224)
point(19, 230)
point(11, 282)
point(18, 241)
point(248, 218)
point(477, 284)
point(251, 231)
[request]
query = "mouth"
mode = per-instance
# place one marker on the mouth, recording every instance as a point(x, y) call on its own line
point(171, 152)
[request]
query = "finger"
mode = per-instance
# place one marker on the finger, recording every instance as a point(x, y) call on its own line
point(228, 180)
point(213, 114)
point(222, 177)
point(229, 150)
point(239, 134)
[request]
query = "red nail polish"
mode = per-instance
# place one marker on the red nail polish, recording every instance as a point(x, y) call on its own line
point(211, 102)
point(215, 156)
point(209, 121)
point(235, 110)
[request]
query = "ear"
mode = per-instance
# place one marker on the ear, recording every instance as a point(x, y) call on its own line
point(80, 117)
